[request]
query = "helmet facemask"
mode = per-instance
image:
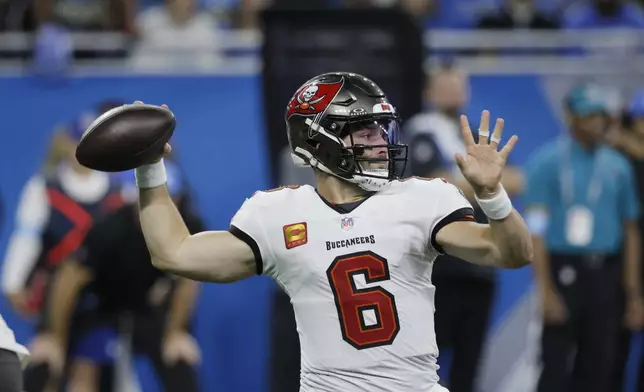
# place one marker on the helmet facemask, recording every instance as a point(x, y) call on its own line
point(374, 149)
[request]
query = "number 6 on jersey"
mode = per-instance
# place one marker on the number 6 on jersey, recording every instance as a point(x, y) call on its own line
point(355, 304)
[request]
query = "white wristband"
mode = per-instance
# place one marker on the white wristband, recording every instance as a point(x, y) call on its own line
point(498, 207)
point(150, 176)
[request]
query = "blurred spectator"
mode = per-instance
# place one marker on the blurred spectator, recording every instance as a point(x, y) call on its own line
point(55, 212)
point(517, 14)
point(52, 52)
point(464, 292)
point(595, 14)
point(298, 5)
point(434, 135)
point(176, 33)
point(247, 14)
point(16, 15)
point(112, 278)
point(631, 141)
point(418, 9)
point(56, 19)
point(33, 241)
point(582, 208)
point(87, 15)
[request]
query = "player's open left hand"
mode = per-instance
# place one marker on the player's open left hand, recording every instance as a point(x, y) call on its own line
point(166, 149)
point(484, 163)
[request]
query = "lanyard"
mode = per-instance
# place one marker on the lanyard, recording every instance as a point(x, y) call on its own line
point(566, 179)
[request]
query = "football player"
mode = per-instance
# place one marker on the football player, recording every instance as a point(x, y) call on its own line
point(355, 253)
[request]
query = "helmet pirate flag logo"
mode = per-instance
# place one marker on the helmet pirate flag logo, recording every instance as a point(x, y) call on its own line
point(313, 98)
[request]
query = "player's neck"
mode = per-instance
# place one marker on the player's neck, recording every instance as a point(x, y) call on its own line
point(337, 191)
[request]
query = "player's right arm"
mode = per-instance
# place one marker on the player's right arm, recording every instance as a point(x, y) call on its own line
point(212, 256)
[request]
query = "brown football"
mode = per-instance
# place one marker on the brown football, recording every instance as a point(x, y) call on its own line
point(126, 137)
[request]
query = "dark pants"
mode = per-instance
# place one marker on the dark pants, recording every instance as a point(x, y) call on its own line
point(462, 314)
point(147, 339)
point(10, 372)
point(285, 346)
point(146, 331)
point(578, 355)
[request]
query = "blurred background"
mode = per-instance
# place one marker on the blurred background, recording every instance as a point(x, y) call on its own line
point(227, 69)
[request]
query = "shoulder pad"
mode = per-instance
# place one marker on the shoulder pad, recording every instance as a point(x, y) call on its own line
point(424, 179)
point(279, 188)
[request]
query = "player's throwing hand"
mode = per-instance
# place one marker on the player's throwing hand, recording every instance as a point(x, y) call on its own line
point(166, 148)
point(483, 165)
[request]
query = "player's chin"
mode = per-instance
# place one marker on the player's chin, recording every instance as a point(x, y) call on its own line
point(379, 166)
point(373, 168)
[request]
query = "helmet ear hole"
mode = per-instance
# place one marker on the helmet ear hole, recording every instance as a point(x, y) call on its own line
point(313, 143)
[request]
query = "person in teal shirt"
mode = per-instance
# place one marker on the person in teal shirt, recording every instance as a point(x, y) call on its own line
point(582, 208)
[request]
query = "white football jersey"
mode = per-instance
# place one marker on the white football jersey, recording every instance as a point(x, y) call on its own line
point(8, 342)
point(360, 282)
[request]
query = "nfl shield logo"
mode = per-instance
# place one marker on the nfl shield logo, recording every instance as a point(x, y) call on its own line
point(346, 223)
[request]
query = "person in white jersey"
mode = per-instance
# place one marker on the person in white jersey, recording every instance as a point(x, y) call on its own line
point(12, 358)
point(355, 253)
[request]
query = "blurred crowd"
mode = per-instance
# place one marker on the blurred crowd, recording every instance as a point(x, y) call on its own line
point(136, 17)
point(180, 26)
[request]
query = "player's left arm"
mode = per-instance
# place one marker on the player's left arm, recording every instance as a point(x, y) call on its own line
point(505, 242)
point(502, 243)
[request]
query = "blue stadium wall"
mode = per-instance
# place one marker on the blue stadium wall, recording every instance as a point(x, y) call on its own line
point(220, 143)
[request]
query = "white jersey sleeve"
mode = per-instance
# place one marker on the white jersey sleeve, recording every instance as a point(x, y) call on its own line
point(8, 342)
point(248, 226)
point(443, 202)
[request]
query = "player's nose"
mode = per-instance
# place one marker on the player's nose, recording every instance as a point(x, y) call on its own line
point(381, 152)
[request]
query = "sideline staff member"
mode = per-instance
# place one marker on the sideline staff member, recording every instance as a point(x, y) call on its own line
point(113, 276)
point(582, 208)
